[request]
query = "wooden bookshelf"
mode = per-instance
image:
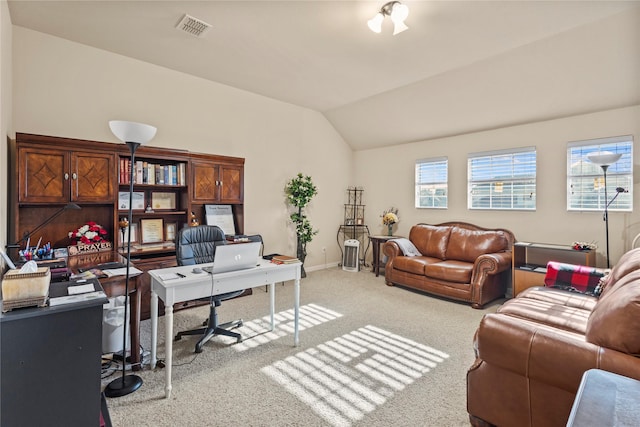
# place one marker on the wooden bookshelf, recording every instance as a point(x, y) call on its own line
point(49, 172)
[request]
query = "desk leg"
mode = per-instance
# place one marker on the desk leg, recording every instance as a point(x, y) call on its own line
point(272, 304)
point(168, 343)
point(296, 318)
point(154, 329)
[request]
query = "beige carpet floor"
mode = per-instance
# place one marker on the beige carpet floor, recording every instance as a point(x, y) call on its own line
point(369, 355)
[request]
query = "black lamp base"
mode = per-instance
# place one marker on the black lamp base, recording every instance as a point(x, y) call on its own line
point(123, 386)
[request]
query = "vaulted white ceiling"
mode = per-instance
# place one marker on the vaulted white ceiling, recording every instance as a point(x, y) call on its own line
point(463, 66)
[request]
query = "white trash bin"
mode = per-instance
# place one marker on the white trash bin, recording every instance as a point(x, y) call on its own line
point(113, 325)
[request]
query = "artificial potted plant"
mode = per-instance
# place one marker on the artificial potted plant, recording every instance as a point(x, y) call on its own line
point(299, 191)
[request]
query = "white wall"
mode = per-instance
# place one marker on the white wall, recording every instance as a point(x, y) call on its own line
point(5, 112)
point(67, 89)
point(387, 174)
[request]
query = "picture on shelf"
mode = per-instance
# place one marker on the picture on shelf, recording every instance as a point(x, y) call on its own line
point(137, 200)
point(151, 230)
point(170, 231)
point(222, 216)
point(163, 200)
point(134, 234)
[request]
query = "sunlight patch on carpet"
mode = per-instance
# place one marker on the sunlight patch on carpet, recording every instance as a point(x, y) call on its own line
point(257, 332)
point(344, 379)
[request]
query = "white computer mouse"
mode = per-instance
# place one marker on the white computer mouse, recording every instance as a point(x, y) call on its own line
point(197, 270)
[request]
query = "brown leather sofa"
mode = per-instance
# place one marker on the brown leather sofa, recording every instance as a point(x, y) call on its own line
point(531, 354)
point(458, 260)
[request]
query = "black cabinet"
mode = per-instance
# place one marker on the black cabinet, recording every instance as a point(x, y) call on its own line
point(50, 359)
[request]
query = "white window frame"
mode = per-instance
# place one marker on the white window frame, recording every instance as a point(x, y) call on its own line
point(435, 180)
point(585, 180)
point(494, 176)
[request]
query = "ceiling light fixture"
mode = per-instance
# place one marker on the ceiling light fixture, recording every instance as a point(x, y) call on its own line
point(398, 13)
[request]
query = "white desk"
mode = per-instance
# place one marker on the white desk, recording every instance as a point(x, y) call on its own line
point(193, 286)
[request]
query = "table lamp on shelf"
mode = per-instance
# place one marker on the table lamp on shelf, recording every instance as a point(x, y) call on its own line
point(604, 159)
point(133, 134)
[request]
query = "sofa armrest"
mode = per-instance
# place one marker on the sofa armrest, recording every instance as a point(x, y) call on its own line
point(490, 264)
point(391, 249)
point(545, 354)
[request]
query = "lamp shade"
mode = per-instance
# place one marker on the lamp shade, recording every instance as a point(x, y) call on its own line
point(139, 133)
point(399, 13)
point(604, 158)
point(399, 27)
point(375, 23)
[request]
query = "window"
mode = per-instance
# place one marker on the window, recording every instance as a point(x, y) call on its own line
point(585, 180)
point(431, 183)
point(503, 179)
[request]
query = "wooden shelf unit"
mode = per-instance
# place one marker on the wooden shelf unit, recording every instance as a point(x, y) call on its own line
point(48, 172)
point(530, 261)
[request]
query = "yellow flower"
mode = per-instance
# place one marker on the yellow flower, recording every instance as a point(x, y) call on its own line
point(389, 218)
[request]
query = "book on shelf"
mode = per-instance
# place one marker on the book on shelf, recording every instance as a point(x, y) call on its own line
point(284, 259)
point(146, 172)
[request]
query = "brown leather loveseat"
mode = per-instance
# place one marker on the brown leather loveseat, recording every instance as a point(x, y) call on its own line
point(531, 354)
point(456, 260)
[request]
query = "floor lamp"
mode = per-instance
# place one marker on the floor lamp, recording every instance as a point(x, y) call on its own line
point(604, 159)
point(134, 135)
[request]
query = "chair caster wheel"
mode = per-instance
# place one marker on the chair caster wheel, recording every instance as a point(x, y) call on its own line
point(178, 338)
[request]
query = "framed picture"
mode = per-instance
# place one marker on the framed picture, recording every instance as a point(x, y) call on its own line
point(163, 200)
point(134, 234)
point(137, 197)
point(170, 231)
point(60, 252)
point(151, 230)
point(222, 216)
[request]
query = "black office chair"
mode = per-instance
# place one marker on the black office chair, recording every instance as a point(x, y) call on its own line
point(197, 245)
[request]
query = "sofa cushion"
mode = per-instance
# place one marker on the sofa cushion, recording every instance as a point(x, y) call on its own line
point(614, 322)
point(570, 277)
point(412, 264)
point(451, 271)
point(468, 245)
point(559, 316)
point(557, 296)
point(430, 240)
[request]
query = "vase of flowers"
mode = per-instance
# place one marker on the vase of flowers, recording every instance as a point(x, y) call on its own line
point(390, 217)
point(88, 234)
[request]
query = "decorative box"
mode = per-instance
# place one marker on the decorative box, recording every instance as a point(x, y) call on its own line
point(25, 289)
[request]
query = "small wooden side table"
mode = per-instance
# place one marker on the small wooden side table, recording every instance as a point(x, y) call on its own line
point(376, 241)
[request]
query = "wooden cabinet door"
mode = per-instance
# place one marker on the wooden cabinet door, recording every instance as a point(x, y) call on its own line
point(92, 177)
point(205, 182)
point(231, 184)
point(44, 176)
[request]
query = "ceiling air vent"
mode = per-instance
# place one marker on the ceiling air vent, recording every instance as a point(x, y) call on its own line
point(193, 26)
